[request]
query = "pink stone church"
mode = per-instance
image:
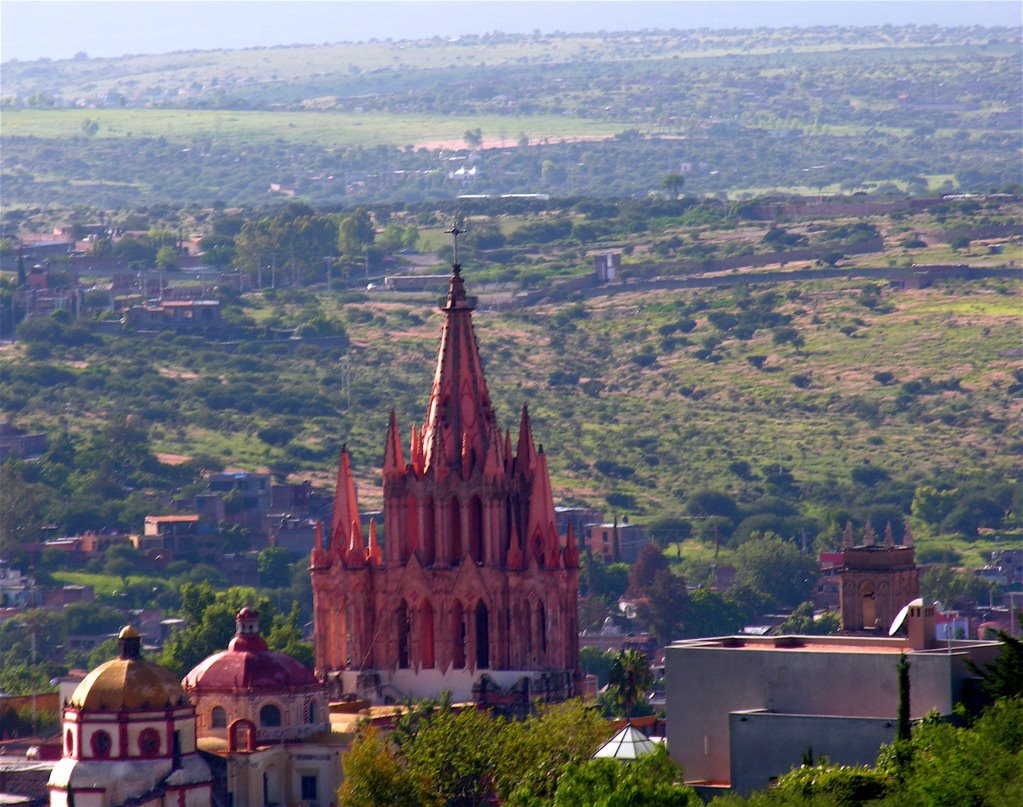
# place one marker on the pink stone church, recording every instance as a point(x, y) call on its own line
point(473, 590)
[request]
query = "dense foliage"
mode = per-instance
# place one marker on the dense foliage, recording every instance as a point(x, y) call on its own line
point(437, 755)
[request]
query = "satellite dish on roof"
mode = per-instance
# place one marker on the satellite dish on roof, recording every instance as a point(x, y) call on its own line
point(901, 616)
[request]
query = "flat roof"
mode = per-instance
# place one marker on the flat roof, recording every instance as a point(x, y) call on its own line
point(825, 644)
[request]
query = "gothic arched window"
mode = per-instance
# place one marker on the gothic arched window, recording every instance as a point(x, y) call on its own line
point(482, 636)
point(426, 643)
point(458, 636)
point(404, 636)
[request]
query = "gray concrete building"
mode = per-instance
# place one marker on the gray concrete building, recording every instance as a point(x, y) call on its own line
point(742, 710)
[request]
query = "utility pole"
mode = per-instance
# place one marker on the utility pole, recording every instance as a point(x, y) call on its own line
point(346, 380)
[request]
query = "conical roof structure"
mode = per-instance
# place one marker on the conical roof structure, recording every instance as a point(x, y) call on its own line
point(629, 743)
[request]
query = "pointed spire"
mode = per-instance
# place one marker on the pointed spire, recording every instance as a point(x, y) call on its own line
point(514, 549)
point(318, 558)
point(889, 536)
point(355, 556)
point(907, 534)
point(373, 554)
point(848, 541)
point(460, 409)
point(416, 451)
point(525, 453)
point(540, 520)
point(346, 505)
point(869, 537)
point(493, 468)
point(394, 461)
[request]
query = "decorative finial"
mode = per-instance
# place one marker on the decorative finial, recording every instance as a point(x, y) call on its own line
point(454, 232)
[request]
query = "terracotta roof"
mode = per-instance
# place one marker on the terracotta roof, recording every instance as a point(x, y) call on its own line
point(248, 664)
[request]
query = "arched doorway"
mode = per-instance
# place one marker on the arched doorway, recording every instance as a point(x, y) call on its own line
point(868, 605)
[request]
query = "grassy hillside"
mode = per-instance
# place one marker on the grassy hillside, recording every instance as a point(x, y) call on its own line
point(920, 384)
point(327, 129)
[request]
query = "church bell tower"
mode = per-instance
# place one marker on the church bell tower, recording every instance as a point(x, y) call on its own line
point(473, 590)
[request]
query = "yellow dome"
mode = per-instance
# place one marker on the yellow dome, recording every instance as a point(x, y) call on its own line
point(128, 682)
point(131, 683)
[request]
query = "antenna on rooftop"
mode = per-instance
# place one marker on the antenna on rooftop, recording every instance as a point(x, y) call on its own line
point(900, 617)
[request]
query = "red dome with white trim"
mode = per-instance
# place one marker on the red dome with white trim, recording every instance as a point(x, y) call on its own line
point(247, 664)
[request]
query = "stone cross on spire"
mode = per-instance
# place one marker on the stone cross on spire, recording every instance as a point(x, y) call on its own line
point(454, 232)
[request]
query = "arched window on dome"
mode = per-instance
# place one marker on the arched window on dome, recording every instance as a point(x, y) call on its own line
point(401, 617)
point(218, 717)
point(270, 716)
point(309, 711)
point(69, 743)
point(149, 743)
point(101, 744)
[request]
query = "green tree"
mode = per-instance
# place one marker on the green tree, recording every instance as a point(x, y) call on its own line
point(711, 614)
point(777, 568)
point(285, 636)
point(650, 781)
point(473, 138)
point(594, 661)
point(355, 233)
point(23, 509)
point(454, 752)
point(673, 183)
point(273, 567)
point(665, 607)
point(374, 777)
point(630, 679)
point(1003, 678)
point(167, 258)
point(533, 753)
point(932, 505)
point(802, 623)
point(214, 627)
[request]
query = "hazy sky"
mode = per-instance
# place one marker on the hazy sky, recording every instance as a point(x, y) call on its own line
point(31, 29)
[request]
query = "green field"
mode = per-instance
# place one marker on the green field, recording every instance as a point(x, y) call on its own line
point(325, 129)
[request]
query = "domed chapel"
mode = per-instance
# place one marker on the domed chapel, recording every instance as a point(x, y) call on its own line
point(129, 737)
point(473, 590)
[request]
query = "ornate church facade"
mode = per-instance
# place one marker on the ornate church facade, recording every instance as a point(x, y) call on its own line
point(473, 591)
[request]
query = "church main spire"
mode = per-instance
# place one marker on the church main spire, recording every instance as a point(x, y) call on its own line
point(469, 576)
point(460, 423)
